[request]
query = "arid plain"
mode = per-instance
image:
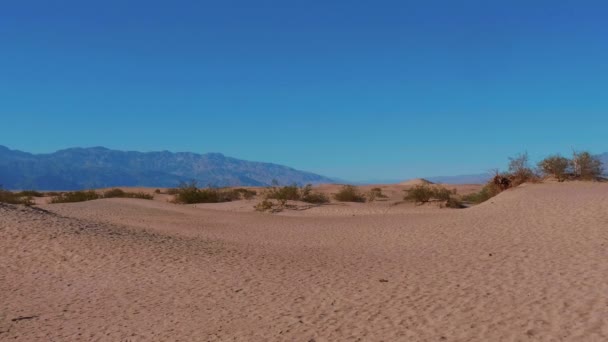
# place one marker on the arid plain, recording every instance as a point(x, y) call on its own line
point(530, 264)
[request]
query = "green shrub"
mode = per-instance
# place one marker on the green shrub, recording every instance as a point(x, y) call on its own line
point(556, 166)
point(75, 196)
point(420, 193)
point(488, 191)
point(289, 193)
point(113, 193)
point(295, 193)
point(349, 193)
point(189, 193)
point(309, 196)
point(424, 193)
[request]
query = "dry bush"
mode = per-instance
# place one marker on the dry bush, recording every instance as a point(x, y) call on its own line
point(245, 193)
point(424, 193)
point(520, 171)
point(488, 191)
point(586, 166)
point(375, 194)
point(118, 193)
point(349, 193)
point(556, 166)
point(14, 198)
point(288, 193)
point(75, 196)
point(30, 193)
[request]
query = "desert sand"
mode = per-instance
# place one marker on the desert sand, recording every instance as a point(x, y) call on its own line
point(528, 265)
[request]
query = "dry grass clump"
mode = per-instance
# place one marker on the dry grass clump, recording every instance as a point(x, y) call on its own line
point(555, 166)
point(376, 194)
point(425, 193)
point(30, 193)
point(189, 193)
point(295, 193)
point(76, 196)
point(118, 193)
point(276, 197)
point(349, 193)
point(15, 198)
point(89, 195)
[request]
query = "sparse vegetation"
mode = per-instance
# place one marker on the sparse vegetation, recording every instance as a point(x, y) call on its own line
point(309, 196)
point(76, 196)
point(295, 193)
point(30, 193)
point(288, 193)
point(15, 198)
point(265, 205)
point(488, 191)
point(124, 194)
point(375, 194)
point(520, 171)
point(349, 193)
point(425, 193)
point(189, 193)
point(556, 166)
point(172, 191)
point(586, 166)
point(276, 197)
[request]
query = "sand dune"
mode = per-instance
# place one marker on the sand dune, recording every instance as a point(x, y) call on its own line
point(416, 181)
point(529, 265)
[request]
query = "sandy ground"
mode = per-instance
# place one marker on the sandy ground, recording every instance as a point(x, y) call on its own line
point(528, 265)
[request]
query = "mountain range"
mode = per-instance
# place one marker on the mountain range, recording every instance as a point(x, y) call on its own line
point(99, 167)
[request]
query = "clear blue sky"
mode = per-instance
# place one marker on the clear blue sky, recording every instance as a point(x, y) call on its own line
point(351, 89)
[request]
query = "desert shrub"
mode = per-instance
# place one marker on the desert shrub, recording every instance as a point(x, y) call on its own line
point(454, 203)
point(488, 191)
point(424, 193)
point(420, 193)
point(556, 166)
point(519, 170)
point(29, 193)
point(586, 166)
point(52, 193)
point(295, 193)
point(124, 194)
point(75, 196)
point(270, 206)
point(172, 191)
point(289, 193)
point(245, 193)
point(189, 193)
point(157, 191)
point(114, 193)
point(14, 198)
point(309, 196)
point(375, 193)
point(349, 193)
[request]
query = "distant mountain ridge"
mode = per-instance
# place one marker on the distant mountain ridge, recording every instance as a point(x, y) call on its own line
point(98, 167)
